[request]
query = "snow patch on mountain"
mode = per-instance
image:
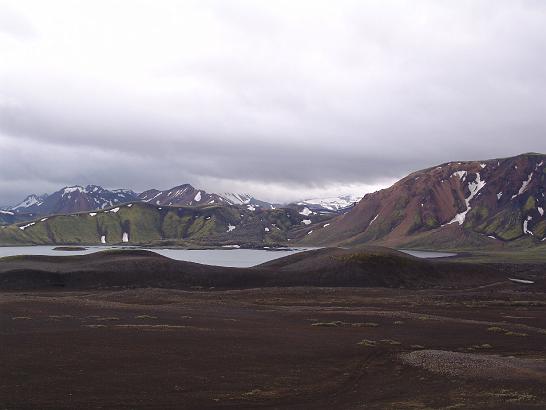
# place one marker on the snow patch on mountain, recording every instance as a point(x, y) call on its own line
point(525, 184)
point(236, 199)
point(29, 201)
point(460, 174)
point(474, 188)
point(26, 226)
point(526, 224)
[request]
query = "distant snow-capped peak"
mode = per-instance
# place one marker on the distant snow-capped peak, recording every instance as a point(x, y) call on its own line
point(236, 199)
point(31, 200)
point(332, 203)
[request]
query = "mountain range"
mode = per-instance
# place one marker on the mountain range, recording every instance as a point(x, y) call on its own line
point(77, 198)
point(456, 205)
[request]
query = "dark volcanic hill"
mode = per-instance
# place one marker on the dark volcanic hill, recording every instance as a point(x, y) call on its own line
point(74, 199)
point(372, 267)
point(453, 205)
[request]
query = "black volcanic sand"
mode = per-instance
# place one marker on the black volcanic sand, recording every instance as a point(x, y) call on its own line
point(289, 348)
point(130, 330)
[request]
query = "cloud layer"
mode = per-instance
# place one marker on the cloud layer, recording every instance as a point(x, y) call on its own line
point(283, 99)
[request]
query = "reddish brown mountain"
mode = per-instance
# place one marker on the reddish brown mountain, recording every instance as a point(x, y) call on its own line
point(457, 204)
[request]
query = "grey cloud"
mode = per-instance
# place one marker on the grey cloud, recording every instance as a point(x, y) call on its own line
point(15, 24)
point(295, 96)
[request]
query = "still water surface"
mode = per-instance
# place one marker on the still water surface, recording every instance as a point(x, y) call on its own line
point(241, 258)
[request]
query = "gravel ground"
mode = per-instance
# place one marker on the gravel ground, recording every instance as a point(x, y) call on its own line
point(474, 365)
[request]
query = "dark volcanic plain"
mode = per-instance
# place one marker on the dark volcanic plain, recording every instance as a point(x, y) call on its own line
point(449, 342)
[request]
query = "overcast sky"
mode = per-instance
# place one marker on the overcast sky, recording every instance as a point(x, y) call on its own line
point(281, 99)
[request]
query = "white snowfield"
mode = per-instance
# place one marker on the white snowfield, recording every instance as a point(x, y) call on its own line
point(524, 186)
point(528, 282)
point(306, 212)
point(230, 228)
point(71, 189)
point(236, 199)
point(26, 226)
point(28, 202)
point(333, 203)
point(540, 211)
point(474, 188)
point(525, 223)
point(460, 174)
point(198, 196)
point(306, 221)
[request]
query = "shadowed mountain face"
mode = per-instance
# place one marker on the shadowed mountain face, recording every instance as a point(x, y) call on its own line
point(454, 204)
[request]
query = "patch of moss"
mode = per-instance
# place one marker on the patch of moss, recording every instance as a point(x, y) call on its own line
point(530, 204)
point(431, 221)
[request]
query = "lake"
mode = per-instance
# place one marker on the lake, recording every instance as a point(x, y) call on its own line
point(427, 254)
point(241, 258)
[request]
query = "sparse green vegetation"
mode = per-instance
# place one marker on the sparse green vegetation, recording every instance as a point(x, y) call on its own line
point(367, 343)
point(482, 346)
point(145, 317)
point(339, 323)
point(506, 332)
point(146, 224)
point(391, 342)
point(496, 329)
point(510, 333)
